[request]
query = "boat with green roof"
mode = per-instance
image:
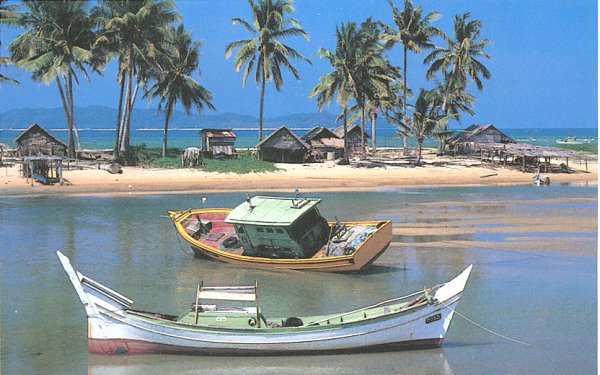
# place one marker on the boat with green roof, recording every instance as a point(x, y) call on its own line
point(282, 232)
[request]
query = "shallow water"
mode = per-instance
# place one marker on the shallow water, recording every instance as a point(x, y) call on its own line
point(546, 296)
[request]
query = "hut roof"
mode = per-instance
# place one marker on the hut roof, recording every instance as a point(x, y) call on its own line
point(474, 130)
point(318, 132)
point(222, 133)
point(276, 140)
point(37, 127)
point(339, 131)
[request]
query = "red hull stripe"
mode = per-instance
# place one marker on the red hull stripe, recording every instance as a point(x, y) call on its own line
point(123, 346)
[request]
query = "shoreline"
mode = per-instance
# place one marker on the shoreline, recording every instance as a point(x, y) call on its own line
point(316, 177)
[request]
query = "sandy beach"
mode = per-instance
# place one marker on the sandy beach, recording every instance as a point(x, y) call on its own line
point(85, 179)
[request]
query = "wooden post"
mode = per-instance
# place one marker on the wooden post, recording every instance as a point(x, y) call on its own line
point(257, 304)
point(546, 162)
point(31, 172)
point(567, 162)
point(60, 175)
point(523, 163)
point(586, 165)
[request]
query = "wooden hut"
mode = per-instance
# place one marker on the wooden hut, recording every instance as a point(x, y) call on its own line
point(354, 139)
point(217, 141)
point(36, 141)
point(464, 142)
point(283, 146)
point(324, 143)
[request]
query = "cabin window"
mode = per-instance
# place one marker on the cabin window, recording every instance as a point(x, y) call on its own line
point(269, 230)
point(240, 229)
point(279, 230)
point(259, 229)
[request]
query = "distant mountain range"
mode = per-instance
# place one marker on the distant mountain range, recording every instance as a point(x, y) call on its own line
point(99, 117)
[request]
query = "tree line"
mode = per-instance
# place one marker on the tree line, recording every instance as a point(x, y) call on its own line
point(65, 40)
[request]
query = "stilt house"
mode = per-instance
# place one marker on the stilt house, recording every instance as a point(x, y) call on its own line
point(36, 141)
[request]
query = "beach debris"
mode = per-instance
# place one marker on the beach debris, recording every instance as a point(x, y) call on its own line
point(113, 168)
point(488, 175)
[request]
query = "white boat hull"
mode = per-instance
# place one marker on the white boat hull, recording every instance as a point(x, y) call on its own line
point(112, 328)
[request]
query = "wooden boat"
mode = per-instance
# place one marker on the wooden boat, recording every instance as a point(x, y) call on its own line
point(281, 232)
point(573, 140)
point(418, 320)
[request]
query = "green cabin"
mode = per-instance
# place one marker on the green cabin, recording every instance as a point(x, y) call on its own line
point(276, 227)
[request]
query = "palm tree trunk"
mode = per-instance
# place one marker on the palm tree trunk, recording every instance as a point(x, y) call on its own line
point(362, 130)
point(126, 109)
point(72, 109)
point(442, 140)
point(419, 150)
point(404, 144)
point(260, 115)
point(70, 138)
point(373, 135)
point(64, 105)
point(125, 138)
point(345, 133)
point(119, 114)
point(168, 111)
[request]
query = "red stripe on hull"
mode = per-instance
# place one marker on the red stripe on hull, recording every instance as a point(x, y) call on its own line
point(125, 346)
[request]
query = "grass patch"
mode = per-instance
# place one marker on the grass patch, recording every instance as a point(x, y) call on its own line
point(244, 163)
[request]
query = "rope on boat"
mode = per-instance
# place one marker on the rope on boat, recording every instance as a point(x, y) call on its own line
point(487, 329)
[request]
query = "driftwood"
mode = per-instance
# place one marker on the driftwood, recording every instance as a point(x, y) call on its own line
point(113, 168)
point(191, 157)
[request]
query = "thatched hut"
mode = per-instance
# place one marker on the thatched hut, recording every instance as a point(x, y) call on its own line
point(353, 134)
point(464, 141)
point(217, 141)
point(324, 142)
point(36, 141)
point(283, 146)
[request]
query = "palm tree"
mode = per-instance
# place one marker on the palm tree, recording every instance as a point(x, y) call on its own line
point(8, 16)
point(460, 60)
point(340, 82)
point(175, 83)
point(414, 31)
point(135, 32)
point(424, 122)
point(59, 41)
point(265, 50)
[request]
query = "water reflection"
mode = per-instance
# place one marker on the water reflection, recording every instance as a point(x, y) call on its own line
point(417, 362)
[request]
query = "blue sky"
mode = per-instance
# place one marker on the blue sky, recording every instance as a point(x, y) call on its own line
point(544, 60)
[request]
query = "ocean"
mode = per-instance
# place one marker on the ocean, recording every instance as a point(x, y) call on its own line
point(181, 138)
point(534, 279)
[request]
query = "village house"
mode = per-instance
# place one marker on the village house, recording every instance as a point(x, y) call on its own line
point(353, 134)
point(465, 141)
point(283, 146)
point(324, 143)
point(36, 141)
point(217, 141)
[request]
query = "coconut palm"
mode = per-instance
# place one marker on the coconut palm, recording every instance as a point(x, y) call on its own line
point(135, 32)
point(424, 121)
point(264, 51)
point(58, 43)
point(460, 61)
point(8, 16)
point(174, 83)
point(340, 82)
point(415, 32)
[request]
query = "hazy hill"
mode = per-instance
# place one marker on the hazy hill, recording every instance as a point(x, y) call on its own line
point(98, 117)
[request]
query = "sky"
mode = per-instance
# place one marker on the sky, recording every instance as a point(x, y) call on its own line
point(544, 60)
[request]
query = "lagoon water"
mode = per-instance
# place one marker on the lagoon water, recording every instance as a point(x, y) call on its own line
point(534, 279)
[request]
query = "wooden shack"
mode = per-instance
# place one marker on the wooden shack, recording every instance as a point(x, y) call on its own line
point(36, 141)
point(464, 142)
point(217, 141)
point(354, 138)
point(323, 142)
point(283, 146)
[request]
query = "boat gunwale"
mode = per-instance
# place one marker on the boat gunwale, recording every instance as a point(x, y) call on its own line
point(179, 216)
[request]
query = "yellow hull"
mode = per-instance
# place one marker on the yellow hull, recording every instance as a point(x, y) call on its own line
point(373, 246)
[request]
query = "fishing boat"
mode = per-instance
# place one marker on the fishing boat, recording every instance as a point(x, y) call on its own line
point(415, 321)
point(282, 232)
point(572, 140)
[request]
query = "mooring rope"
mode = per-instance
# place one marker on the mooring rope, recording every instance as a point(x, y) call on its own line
point(487, 329)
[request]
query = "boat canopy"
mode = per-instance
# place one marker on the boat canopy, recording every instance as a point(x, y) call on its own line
point(278, 211)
